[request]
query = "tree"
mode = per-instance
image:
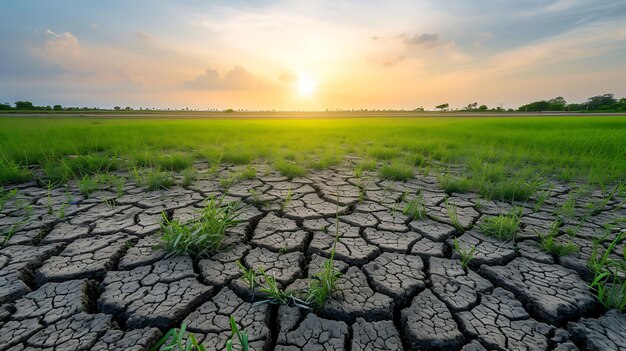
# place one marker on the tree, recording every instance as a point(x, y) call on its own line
point(600, 101)
point(127, 108)
point(229, 110)
point(117, 108)
point(443, 106)
point(5, 106)
point(536, 106)
point(57, 107)
point(483, 108)
point(23, 105)
point(472, 106)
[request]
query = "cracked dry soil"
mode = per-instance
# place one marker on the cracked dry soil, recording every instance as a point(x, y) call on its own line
point(92, 279)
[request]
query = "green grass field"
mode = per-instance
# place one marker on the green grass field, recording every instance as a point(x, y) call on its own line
point(496, 150)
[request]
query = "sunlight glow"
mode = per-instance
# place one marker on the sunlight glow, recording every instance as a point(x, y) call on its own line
point(305, 86)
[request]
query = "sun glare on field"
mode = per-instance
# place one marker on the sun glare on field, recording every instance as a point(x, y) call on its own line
point(305, 86)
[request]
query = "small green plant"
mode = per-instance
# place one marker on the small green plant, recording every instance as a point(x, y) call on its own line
point(242, 336)
point(568, 208)
point(275, 295)
point(189, 176)
point(158, 180)
point(283, 207)
point(609, 283)
point(416, 208)
point(176, 162)
point(362, 191)
point(397, 170)
point(204, 235)
point(541, 199)
point(88, 184)
point(503, 227)
point(12, 172)
point(247, 174)
point(550, 244)
point(323, 284)
point(6, 196)
point(451, 184)
point(466, 254)
point(289, 169)
point(175, 339)
point(509, 190)
point(453, 216)
point(248, 276)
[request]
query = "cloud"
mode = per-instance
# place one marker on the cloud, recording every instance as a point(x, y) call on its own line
point(143, 36)
point(61, 47)
point(424, 40)
point(288, 78)
point(236, 79)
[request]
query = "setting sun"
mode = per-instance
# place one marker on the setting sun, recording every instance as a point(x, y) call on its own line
point(305, 86)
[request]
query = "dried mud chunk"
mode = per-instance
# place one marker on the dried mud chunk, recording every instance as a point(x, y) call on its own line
point(145, 252)
point(213, 320)
point(279, 234)
point(79, 332)
point(501, 322)
point(315, 334)
point(554, 294)
point(354, 250)
point(391, 241)
point(132, 340)
point(428, 324)
point(84, 258)
point(456, 287)
point(65, 231)
point(607, 332)
point(354, 298)
point(432, 230)
point(489, 251)
point(156, 295)
point(222, 267)
point(55, 301)
point(396, 275)
point(375, 336)
point(17, 263)
point(284, 267)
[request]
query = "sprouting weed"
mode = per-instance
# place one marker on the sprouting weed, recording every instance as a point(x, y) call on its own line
point(249, 275)
point(204, 235)
point(287, 199)
point(609, 283)
point(466, 254)
point(550, 244)
point(503, 227)
point(178, 340)
point(242, 336)
point(453, 216)
point(416, 208)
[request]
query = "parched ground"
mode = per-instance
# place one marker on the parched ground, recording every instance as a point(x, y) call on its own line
point(87, 274)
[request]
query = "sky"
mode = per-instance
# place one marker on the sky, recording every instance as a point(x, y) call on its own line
point(310, 55)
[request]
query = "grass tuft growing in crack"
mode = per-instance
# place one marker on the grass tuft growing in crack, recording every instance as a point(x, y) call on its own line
point(158, 180)
point(503, 227)
point(204, 235)
point(466, 254)
point(453, 215)
point(609, 283)
point(323, 283)
point(177, 340)
point(416, 208)
point(242, 336)
point(550, 244)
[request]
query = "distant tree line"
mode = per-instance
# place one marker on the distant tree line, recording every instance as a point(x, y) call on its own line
point(29, 106)
point(605, 102)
